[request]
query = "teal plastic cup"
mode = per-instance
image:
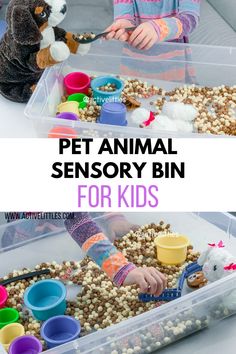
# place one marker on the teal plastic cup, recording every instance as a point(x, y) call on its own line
point(101, 97)
point(46, 299)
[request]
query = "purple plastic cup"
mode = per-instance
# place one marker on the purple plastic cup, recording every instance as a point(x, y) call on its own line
point(25, 345)
point(67, 116)
point(113, 113)
point(59, 330)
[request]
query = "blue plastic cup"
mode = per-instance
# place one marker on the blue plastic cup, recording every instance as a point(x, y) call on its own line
point(113, 114)
point(101, 97)
point(59, 330)
point(46, 299)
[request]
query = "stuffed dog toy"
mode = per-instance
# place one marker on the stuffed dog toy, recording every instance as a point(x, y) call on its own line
point(32, 43)
point(216, 264)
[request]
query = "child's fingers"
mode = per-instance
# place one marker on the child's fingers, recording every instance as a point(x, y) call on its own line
point(163, 278)
point(159, 283)
point(145, 42)
point(124, 37)
point(151, 281)
point(110, 35)
point(150, 44)
point(108, 29)
point(113, 27)
point(119, 33)
point(139, 40)
point(135, 34)
point(142, 283)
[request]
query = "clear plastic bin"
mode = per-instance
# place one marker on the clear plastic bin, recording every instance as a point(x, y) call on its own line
point(213, 66)
point(149, 331)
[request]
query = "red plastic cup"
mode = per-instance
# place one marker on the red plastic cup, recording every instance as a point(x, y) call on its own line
point(62, 132)
point(77, 82)
point(3, 296)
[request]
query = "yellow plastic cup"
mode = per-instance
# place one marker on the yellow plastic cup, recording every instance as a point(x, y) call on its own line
point(69, 106)
point(9, 333)
point(171, 248)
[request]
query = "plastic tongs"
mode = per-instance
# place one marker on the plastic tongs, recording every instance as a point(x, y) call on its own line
point(25, 276)
point(172, 294)
point(100, 35)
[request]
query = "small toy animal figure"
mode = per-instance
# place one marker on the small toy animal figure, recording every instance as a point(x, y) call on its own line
point(32, 43)
point(196, 280)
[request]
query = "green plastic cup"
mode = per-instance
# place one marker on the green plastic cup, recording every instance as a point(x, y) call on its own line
point(7, 316)
point(81, 98)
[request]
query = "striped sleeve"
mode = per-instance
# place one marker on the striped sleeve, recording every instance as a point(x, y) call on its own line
point(88, 235)
point(124, 9)
point(181, 25)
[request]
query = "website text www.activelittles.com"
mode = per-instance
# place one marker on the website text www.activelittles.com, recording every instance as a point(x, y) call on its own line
point(38, 216)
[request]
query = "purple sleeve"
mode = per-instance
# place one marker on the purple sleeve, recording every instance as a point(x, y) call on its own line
point(189, 23)
point(88, 235)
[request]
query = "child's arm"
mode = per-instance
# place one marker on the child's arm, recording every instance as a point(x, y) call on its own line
point(168, 28)
point(91, 239)
point(182, 24)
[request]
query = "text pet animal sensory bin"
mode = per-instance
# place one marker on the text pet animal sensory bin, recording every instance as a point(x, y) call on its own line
point(46, 299)
point(213, 93)
point(154, 327)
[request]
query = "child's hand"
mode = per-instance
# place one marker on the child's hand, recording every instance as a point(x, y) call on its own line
point(144, 36)
point(118, 226)
point(148, 279)
point(117, 30)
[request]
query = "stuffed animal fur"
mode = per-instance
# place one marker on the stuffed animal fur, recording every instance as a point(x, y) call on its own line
point(217, 263)
point(32, 43)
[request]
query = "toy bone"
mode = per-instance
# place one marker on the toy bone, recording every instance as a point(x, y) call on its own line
point(131, 103)
point(218, 263)
point(32, 43)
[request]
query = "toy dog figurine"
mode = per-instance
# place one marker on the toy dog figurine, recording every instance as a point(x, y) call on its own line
point(196, 280)
point(32, 43)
